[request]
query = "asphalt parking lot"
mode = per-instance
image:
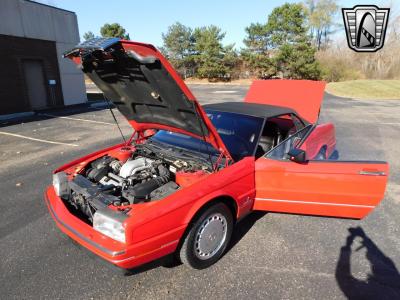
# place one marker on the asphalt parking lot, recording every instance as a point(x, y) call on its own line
point(272, 256)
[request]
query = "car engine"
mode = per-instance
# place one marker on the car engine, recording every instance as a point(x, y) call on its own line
point(143, 177)
point(137, 180)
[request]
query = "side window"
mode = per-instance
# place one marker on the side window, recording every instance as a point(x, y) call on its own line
point(320, 144)
point(275, 130)
point(292, 141)
point(299, 124)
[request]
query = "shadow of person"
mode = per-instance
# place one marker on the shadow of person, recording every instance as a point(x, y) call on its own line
point(382, 283)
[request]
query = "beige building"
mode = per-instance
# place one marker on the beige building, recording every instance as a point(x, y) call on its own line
point(34, 75)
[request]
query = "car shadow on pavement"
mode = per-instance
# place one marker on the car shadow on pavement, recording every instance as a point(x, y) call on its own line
point(384, 280)
point(243, 226)
point(170, 261)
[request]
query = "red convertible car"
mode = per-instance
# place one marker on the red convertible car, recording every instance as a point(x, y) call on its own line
point(189, 173)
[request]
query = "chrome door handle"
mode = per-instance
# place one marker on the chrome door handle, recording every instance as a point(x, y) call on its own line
point(372, 173)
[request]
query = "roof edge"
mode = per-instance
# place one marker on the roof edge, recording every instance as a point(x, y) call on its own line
point(50, 6)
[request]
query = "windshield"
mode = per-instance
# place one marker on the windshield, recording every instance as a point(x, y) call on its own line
point(238, 132)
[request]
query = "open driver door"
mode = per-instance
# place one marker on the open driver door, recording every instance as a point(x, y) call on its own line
point(289, 183)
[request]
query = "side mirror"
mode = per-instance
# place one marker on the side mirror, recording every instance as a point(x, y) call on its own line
point(297, 155)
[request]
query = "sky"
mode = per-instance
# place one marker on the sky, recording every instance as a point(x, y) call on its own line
point(145, 21)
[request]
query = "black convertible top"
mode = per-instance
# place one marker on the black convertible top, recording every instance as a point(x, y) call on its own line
point(250, 109)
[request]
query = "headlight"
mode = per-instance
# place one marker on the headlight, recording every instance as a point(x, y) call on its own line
point(60, 183)
point(110, 224)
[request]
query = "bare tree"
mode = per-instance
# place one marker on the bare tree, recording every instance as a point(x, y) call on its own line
point(321, 16)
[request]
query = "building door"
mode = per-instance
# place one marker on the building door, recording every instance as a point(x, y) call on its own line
point(35, 83)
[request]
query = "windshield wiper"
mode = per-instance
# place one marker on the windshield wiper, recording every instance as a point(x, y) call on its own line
point(178, 151)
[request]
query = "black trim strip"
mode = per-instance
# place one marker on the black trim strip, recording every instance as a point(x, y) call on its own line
point(99, 247)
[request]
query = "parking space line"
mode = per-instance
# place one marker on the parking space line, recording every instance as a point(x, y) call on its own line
point(224, 92)
point(78, 119)
point(38, 140)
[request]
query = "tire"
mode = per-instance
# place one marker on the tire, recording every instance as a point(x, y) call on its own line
point(208, 237)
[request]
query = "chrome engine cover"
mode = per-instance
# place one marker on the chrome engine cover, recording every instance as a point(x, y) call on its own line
point(130, 167)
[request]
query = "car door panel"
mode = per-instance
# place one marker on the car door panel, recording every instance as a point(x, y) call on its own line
point(325, 188)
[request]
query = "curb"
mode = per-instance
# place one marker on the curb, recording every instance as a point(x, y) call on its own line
point(27, 114)
point(16, 115)
point(99, 104)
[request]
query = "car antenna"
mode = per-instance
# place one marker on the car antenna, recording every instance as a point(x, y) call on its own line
point(115, 119)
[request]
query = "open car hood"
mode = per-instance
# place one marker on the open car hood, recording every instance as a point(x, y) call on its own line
point(144, 87)
point(303, 96)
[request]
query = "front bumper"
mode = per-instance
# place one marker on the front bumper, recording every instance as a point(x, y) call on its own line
point(120, 254)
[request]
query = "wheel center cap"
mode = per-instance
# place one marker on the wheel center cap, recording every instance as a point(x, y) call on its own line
point(212, 237)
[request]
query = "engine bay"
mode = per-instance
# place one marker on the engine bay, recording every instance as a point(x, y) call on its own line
point(143, 176)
